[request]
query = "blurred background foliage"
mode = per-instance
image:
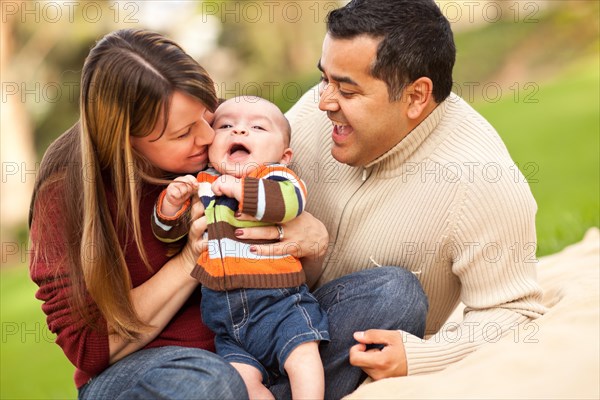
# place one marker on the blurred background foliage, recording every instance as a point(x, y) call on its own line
point(530, 67)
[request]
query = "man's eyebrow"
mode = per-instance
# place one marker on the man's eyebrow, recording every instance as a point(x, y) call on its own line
point(338, 78)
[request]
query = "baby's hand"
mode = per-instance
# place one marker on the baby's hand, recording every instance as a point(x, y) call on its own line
point(178, 192)
point(228, 185)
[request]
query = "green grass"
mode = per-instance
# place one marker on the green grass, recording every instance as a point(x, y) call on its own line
point(555, 142)
point(31, 365)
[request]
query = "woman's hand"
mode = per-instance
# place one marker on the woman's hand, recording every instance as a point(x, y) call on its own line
point(195, 243)
point(303, 237)
point(390, 361)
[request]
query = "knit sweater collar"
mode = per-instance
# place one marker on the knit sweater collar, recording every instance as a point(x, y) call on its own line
point(390, 162)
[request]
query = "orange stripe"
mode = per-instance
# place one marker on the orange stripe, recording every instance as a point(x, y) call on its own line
point(184, 207)
point(242, 266)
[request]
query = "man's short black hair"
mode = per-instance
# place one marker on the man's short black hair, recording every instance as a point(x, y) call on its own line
point(416, 41)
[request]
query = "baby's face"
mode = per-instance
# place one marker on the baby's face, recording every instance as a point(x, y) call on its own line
point(248, 134)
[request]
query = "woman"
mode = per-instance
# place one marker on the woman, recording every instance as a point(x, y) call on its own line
point(123, 311)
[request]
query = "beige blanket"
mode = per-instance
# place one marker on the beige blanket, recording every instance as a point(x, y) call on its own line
point(558, 358)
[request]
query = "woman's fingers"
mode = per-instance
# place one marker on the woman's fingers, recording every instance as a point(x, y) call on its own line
point(245, 217)
point(304, 236)
point(197, 208)
point(259, 233)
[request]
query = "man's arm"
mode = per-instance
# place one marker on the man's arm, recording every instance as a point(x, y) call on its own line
point(494, 237)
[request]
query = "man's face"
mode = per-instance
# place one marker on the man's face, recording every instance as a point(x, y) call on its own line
point(365, 123)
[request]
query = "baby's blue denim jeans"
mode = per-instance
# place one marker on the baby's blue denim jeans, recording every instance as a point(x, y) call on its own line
point(261, 327)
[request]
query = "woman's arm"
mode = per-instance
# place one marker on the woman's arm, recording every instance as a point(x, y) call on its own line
point(158, 299)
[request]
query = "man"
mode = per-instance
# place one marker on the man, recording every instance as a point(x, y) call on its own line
point(404, 173)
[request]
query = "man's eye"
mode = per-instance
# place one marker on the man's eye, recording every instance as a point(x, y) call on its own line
point(345, 94)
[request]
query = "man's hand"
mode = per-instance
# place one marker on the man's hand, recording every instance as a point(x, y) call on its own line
point(378, 364)
point(228, 185)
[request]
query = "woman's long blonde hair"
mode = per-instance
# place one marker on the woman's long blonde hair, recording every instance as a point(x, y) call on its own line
point(127, 81)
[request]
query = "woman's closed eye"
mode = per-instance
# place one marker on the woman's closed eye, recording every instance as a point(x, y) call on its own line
point(184, 134)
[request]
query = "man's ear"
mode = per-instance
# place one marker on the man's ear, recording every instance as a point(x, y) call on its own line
point(419, 95)
point(286, 157)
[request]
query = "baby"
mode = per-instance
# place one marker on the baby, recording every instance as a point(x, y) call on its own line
point(264, 317)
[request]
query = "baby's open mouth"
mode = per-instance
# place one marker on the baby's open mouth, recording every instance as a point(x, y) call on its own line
point(238, 149)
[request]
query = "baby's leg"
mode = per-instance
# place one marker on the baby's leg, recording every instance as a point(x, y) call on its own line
point(253, 380)
point(305, 370)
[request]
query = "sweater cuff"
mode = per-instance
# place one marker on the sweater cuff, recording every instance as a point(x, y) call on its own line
point(249, 201)
point(426, 356)
point(165, 218)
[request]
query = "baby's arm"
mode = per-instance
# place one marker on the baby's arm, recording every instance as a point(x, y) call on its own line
point(171, 215)
point(177, 193)
point(273, 194)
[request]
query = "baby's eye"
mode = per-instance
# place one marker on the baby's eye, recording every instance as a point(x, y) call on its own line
point(258, 127)
point(224, 126)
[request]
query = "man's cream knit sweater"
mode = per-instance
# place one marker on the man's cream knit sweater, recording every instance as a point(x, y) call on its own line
point(447, 203)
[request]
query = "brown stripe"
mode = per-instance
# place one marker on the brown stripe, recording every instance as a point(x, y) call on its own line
point(275, 206)
point(250, 199)
point(232, 282)
point(179, 228)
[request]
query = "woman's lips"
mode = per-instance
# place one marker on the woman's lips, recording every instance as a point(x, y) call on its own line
point(200, 156)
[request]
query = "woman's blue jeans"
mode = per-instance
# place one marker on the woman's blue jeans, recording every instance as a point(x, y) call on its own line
point(378, 298)
point(169, 372)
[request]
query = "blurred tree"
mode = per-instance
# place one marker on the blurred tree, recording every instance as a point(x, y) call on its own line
point(17, 151)
point(269, 49)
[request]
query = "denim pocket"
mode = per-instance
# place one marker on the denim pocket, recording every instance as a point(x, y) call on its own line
point(238, 308)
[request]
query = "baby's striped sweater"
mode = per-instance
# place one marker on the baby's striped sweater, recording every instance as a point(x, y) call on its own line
point(272, 194)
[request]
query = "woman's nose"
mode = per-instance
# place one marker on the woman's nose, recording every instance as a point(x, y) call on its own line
point(205, 136)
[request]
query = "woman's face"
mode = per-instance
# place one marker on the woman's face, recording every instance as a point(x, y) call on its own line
point(183, 148)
